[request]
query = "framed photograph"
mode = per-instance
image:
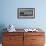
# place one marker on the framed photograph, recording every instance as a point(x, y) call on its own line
point(26, 13)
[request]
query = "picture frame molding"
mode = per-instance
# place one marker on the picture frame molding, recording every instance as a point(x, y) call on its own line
point(25, 17)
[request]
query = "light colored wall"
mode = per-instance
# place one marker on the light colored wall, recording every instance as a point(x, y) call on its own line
point(9, 13)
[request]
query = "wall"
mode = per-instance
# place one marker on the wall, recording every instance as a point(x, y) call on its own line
point(8, 13)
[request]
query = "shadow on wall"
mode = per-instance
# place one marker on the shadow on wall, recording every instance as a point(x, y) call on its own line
point(2, 26)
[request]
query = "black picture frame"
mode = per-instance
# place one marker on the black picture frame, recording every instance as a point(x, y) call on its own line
point(25, 13)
